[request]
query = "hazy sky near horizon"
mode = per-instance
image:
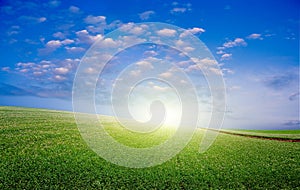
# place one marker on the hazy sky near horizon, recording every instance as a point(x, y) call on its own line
point(256, 44)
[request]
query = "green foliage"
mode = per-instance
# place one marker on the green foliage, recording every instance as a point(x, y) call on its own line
point(42, 149)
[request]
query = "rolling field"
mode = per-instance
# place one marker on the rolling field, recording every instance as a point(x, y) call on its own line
point(43, 149)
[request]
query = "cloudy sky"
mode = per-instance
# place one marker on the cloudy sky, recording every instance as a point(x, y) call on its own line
point(256, 45)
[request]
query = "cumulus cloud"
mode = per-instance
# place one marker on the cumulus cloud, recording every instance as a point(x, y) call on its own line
point(255, 36)
point(133, 29)
point(67, 42)
point(235, 42)
point(32, 20)
point(83, 36)
point(206, 64)
point(221, 52)
point(160, 88)
point(145, 64)
point(74, 49)
point(59, 35)
point(180, 8)
point(226, 56)
point(58, 78)
point(135, 73)
point(97, 24)
point(230, 44)
point(166, 32)
point(74, 9)
point(54, 3)
point(7, 69)
point(94, 19)
point(166, 75)
point(61, 70)
point(194, 31)
point(52, 45)
point(146, 15)
point(55, 70)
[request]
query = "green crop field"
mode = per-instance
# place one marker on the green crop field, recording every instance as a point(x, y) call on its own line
point(43, 149)
point(284, 134)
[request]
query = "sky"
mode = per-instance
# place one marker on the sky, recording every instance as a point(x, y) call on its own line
point(255, 44)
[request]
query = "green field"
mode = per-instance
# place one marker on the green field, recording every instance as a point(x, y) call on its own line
point(43, 149)
point(284, 134)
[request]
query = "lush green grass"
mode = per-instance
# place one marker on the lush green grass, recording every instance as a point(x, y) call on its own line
point(286, 134)
point(42, 149)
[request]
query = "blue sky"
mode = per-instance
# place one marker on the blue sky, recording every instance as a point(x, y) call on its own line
point(256, 44)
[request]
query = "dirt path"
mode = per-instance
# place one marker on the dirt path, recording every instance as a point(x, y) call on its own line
point(260, 137)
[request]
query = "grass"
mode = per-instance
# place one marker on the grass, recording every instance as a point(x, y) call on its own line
point(42, 149)
point(285, 134)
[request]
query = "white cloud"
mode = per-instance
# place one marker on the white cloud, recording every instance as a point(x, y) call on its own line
point(178, 10)
point(229, 71)
point(205, 61)
point(74, 49)
point(69, 63)
point(42, 19)
point(83, 36)
point(145, 15)
point(97, 24)
point(216, 71)
point(145, 64)
point(59, 35)
point(38, 73)
point(206, 64)
point(94, 19)
point(23, 70)
point(109, 43)
point(137, 30)
point(184, 63)
point(188, 49)
point(255, 36)
point(160, 88)
point(126, 40)
point(133, 29)
point(74, 9)
point(25, 65)
point(67, 42)
point(166, 75)
point(32, 20)
point(150, 53)
point(53, 44)
point(166, 32)
point(226, 56)
point(194, 31)
point(127, 26)
point(135, 73)
point(61, 70)
point(95, 29)
point(90, 70)
point(221, 52)
point(236, 42)
point(54, 3)
point(7, 69)
point(59, 78)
